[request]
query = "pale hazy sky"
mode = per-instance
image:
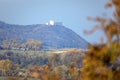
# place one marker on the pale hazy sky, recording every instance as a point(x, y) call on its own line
point(73, 13)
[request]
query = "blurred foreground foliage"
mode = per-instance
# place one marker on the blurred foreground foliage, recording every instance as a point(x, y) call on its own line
point(102, 61)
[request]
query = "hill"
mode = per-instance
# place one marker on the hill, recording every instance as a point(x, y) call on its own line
point(52, 36)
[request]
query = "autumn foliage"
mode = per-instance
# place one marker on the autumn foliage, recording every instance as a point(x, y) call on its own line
point(102, 60)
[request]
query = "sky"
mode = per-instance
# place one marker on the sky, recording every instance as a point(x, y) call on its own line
point(73, 13)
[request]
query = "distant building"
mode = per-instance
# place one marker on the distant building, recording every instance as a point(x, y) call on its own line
point(51, 23)
point(58, 23)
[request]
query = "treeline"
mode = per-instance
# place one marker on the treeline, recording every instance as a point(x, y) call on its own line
point(25, 59)
point(16, 44)
point(23, 64)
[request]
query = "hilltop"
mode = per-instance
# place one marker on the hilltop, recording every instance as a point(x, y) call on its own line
point(52, 35)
